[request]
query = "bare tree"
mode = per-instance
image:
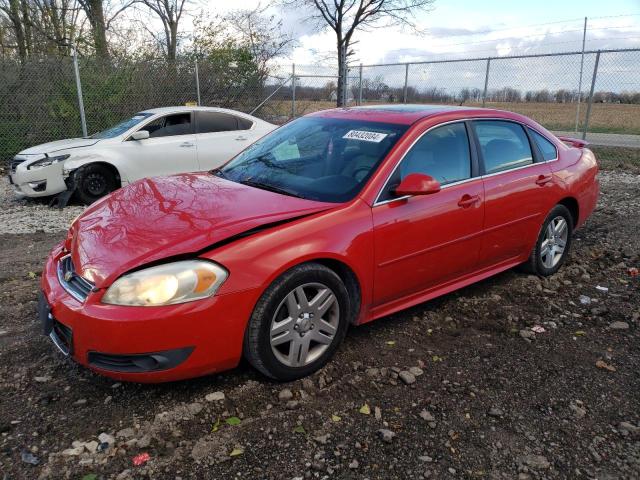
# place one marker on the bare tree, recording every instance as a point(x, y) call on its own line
point(345, 17)
point(169, 12)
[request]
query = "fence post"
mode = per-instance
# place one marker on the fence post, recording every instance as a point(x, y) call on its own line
point(293, 90)
point(76, 72)
point(197, 82)
point(593, 86)
point(584, 39)
point(486, 82)
point(360, 87)
point(406, 83)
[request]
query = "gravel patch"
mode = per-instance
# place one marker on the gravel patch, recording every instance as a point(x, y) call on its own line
point(23, 215)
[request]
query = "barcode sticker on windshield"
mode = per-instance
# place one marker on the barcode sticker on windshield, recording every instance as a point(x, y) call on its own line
point(365, 136)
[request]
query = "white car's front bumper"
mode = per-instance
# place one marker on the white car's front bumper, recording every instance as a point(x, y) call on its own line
point(38, 182)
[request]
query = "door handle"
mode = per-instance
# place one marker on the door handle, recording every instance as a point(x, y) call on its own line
point(468, 200)
point(543, 180)
point(241, 138)
point(186, 144)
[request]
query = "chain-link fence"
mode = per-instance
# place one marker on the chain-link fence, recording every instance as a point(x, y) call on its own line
point(595, 94)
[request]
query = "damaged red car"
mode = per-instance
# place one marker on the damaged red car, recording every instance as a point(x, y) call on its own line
point(333, 220)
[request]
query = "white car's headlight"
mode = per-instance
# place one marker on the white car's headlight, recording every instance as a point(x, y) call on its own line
point(176, 282)
point(46, 161)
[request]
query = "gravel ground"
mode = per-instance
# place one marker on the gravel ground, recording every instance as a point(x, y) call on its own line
point(514, 377)
point(22, 215)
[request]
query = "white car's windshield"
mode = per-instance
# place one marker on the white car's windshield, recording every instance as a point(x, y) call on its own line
point(324, 159)
point(122, 127)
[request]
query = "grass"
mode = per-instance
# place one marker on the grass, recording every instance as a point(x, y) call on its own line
point(618, 158)
point(605, 117)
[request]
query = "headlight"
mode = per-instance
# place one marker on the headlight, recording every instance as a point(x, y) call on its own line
point(46, 161)
point(176, 282)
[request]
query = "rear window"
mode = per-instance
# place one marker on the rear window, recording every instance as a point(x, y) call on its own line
point(504, 145)
point(547, 148)
point(211, 122)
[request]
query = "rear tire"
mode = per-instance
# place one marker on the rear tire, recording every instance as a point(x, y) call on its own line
point(94, 181)
point(553, 243)
point(298, 323)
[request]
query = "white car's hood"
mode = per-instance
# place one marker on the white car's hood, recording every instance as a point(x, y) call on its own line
point(60, 145)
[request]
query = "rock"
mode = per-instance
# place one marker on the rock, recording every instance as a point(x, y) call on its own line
point(82, 401)
point(144, 441)
point(425, 458)
point(92, 446)
point(427, 416)
point(322, 439)
point(416, 371)
point(214, 397)
point(308, 385)
point(372, 372)
point(619, 326)
point(73, 452)
point(106, 438)
point(377, 413)
point(527, 335)
point(28, 457)
point(407, 377)
point(285, 395)
point(627, 428)
point(125, 433)
point(577, 409)
point(386, 435)
point(495, 412)
point(354, 464)
point(43, 379)
point(291, 405)
point(535, 461)
point(194, 408)
point(585, 300)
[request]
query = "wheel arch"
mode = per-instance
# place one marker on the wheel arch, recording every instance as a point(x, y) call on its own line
point(574, 208)
point(350, 280)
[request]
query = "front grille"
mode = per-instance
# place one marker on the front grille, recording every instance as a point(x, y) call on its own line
point(62, 337)
point(73, 283)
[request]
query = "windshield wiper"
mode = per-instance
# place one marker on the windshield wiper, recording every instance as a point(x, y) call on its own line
point(218, 173)
point(270, 188)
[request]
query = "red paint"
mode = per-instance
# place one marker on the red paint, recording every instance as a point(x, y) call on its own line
point(402, 253)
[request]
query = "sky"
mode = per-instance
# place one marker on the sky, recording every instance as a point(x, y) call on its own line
point(466, 28)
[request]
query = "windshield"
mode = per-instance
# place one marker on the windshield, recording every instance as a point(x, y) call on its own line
point(324, 159)
point(122, 127)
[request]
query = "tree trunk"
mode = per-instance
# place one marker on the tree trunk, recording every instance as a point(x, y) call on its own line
point(18, 28)
point(95, 12)
point(342, 72)
point(173, 41)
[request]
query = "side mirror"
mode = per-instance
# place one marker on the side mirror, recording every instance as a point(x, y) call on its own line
point(417, 184)
point(140, 135)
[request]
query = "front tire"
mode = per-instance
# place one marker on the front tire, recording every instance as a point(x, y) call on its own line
point(553, 243)
point(298, 323)
point(94, 181)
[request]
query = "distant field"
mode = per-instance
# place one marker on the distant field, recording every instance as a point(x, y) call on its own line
point(605, 117)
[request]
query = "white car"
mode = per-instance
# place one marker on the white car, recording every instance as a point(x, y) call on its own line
point(160, 141)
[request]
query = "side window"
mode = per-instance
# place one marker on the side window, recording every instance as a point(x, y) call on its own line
point(170, 125)
point(504, 145)
point(442, 153)
point(210, 122)
point(244, 124)
point(547, 148)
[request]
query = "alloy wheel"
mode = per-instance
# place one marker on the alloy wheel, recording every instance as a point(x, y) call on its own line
point(554, 242)
point(304, 325)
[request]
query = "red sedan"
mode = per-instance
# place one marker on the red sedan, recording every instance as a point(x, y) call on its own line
point(333, 220)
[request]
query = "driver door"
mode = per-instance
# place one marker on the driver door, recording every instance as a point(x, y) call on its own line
point(422, 242)
point(171, 148)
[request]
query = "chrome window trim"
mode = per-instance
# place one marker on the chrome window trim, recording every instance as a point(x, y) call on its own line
point(462, 120)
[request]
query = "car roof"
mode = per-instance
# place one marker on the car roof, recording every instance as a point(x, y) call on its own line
point(184, 108)
point(403, 114)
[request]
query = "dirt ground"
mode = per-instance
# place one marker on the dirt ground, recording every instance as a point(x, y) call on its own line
point(491, 398)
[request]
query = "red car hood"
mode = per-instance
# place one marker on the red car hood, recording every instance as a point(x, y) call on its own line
point(161, 217)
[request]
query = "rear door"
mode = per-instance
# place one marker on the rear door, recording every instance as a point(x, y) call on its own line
point(518, 186)
point(422, 242)
point(220, 137)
